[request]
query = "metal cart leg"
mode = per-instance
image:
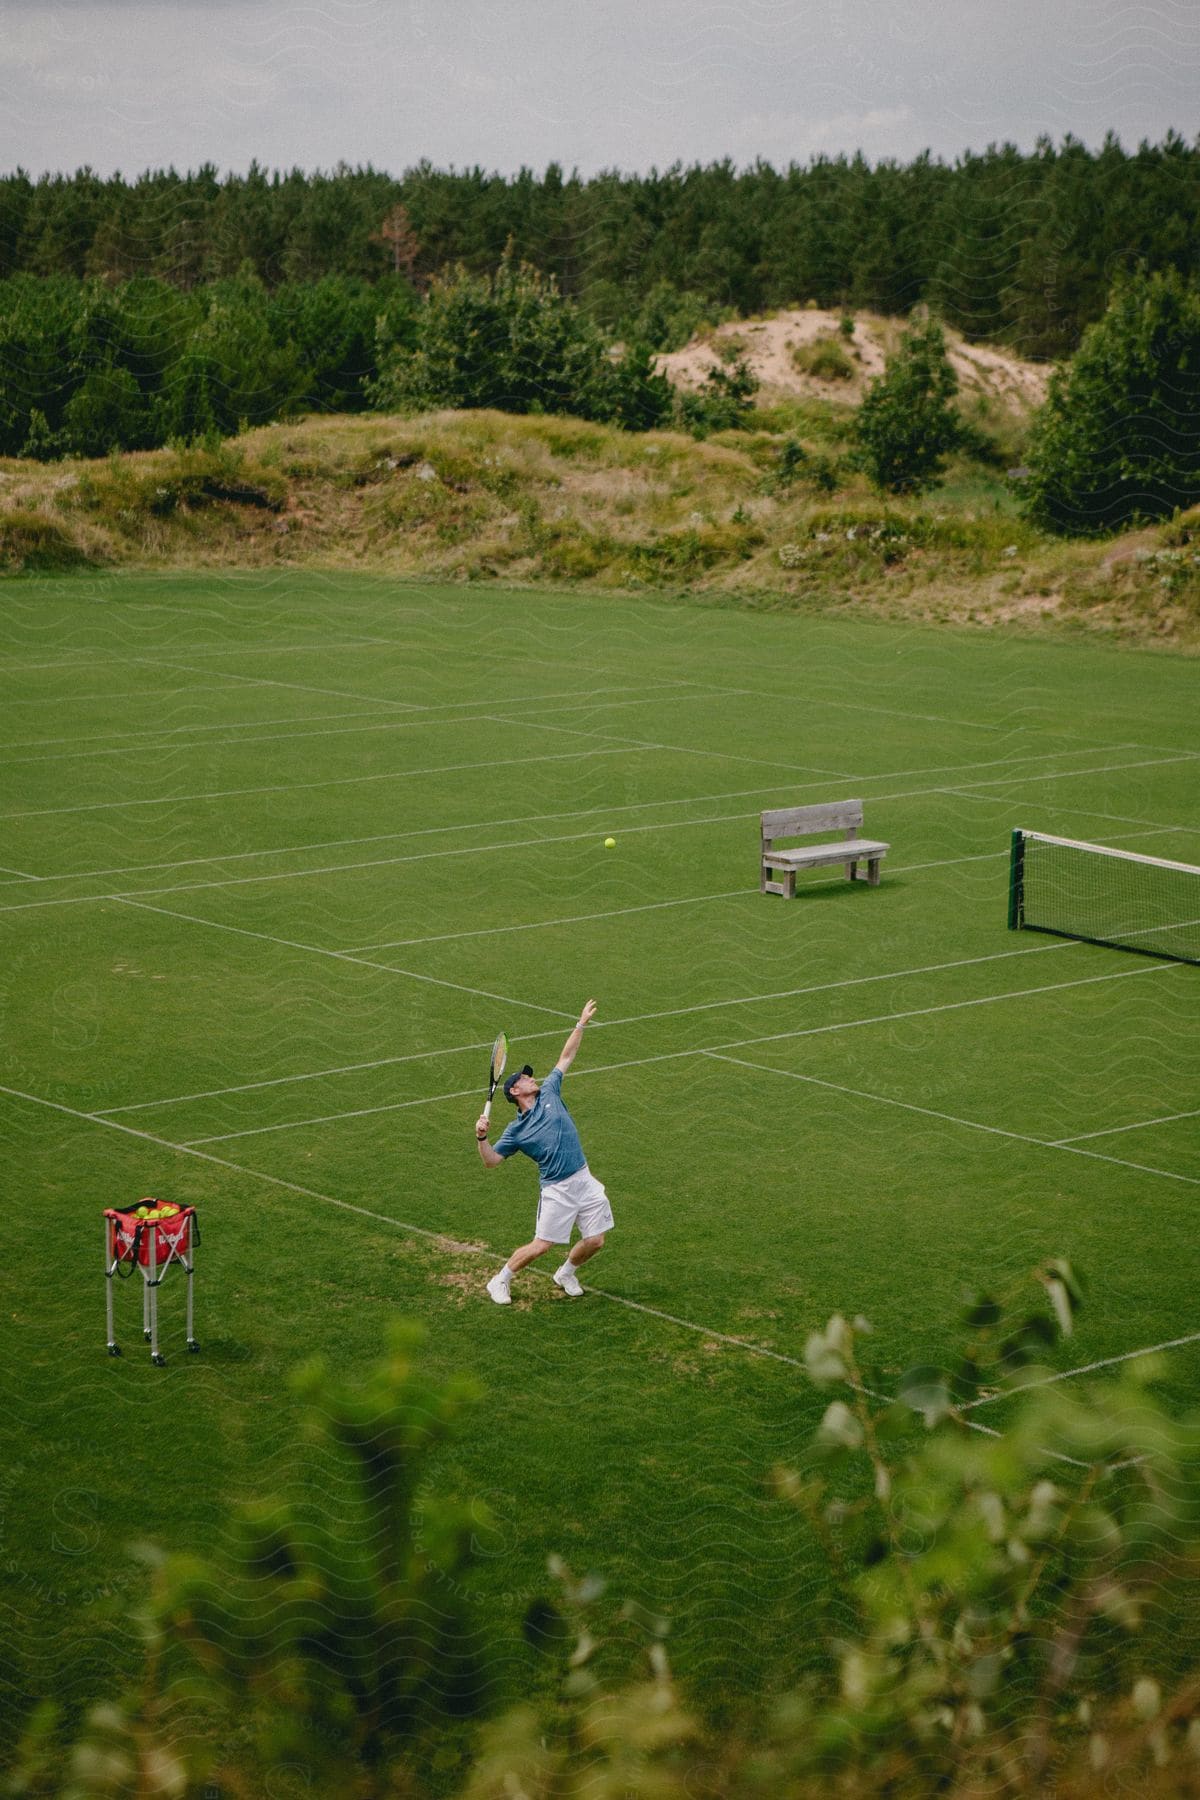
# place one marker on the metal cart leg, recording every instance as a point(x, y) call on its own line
point(155, 1354)
point(191, 1267)
point(110, 1275)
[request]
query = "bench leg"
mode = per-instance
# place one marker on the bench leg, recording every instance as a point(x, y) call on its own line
point(851, 871)
point(873, 872)
point(789, 884)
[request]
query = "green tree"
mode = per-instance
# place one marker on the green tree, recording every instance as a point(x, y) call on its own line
point(512, 341)
point(906, 424)
point(1118, 439)
point(106, 412)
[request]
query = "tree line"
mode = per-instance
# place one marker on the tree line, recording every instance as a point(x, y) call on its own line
point(1020, 247)
point(87, 367)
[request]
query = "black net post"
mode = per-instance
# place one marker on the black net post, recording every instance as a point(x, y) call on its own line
point(1016, 882)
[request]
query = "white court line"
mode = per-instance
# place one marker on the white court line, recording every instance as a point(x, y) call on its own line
point(1138, 1125)
point(376, 862)
point(467, 850)
point(387, 1062)
point(141, 694)
point(168, 735)
point(1081, 812)
point(1102, 1362)
point(930, 1112)
point(357, 962)
point(442, 1240)
point(299, 687)
point(832, 774)
point(1156, 762)
point(170, 741)
point(773, 1037)
point(487, 849)
point(816, 698)
point(426, 707)
point(303, 787)
point(103, 659)
point(388, 837)
point(609, 812)
point(298, 787)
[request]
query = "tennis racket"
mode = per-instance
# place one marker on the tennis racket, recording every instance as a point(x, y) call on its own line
point(499, 1058)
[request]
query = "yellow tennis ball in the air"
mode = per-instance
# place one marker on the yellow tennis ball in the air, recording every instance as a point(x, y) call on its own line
point(610, 843)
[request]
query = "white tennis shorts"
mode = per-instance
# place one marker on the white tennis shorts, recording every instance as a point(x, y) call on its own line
point(579, 1200)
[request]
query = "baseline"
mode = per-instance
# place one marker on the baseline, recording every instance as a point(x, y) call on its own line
point(442, 1241)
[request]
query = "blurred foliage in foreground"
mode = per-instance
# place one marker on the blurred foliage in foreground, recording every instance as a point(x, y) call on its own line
point(1007, 1612)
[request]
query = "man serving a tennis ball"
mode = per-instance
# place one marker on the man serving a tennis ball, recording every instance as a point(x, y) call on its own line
point(569, 1193)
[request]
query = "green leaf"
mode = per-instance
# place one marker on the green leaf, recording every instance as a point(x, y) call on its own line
point(925, 1389)
point(839, 1426)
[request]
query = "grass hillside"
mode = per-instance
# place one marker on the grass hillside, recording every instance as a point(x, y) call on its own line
point(771, 517)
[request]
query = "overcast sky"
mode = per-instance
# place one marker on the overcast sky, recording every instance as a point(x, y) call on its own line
point(592, 84)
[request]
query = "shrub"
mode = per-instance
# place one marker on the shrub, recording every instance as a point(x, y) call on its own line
point(32, 541)
point(1007, 1614)
point(824, 359)
point(906, 425)
point(725, 402)
point(1118, 439)
point(511, 341)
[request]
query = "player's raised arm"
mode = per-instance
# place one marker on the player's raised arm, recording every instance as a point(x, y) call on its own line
point(573, 1042)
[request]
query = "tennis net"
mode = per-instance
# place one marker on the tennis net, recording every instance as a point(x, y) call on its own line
point(1104, 896)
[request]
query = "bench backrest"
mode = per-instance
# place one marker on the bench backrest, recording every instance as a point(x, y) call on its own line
point(806, 821)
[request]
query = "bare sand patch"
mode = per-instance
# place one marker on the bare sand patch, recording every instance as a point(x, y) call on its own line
point(768, 346)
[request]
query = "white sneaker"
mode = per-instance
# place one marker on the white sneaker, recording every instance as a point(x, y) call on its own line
point(497, 1287)
point(568, 1281)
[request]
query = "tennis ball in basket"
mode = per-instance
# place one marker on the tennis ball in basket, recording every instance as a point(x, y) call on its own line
point(610, 843)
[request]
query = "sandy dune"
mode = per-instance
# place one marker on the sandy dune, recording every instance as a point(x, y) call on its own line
point(768, 345)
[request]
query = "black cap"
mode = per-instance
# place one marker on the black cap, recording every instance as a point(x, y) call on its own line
point(515, 1076)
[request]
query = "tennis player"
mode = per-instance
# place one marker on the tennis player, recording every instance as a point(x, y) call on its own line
point(569, 1193)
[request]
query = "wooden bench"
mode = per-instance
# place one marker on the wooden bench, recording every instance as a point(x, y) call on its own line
point(807, 821)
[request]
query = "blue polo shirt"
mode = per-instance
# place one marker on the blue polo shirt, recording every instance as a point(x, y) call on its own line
point(547, 1134)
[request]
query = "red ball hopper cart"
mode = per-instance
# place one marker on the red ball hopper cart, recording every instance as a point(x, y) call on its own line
point(148, 1238)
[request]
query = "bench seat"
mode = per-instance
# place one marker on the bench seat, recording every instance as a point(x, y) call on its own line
point(794, 822)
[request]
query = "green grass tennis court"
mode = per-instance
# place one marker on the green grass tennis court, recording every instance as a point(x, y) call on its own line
point(282, 855)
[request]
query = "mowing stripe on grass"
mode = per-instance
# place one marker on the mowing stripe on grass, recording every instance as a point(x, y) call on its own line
point(358, 961)
point(140, 695)
point(1080, 812)
point(376, 862)
point(298, 787)
point(773, 1037)
point(385, 1062)
point(952, 1118)
point(469, 849)
point(89, 659)
point(302, 687)
point(168, 740)
point(453, 1246)
point(388, 837)
point(169, 734)
point(303, 787)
